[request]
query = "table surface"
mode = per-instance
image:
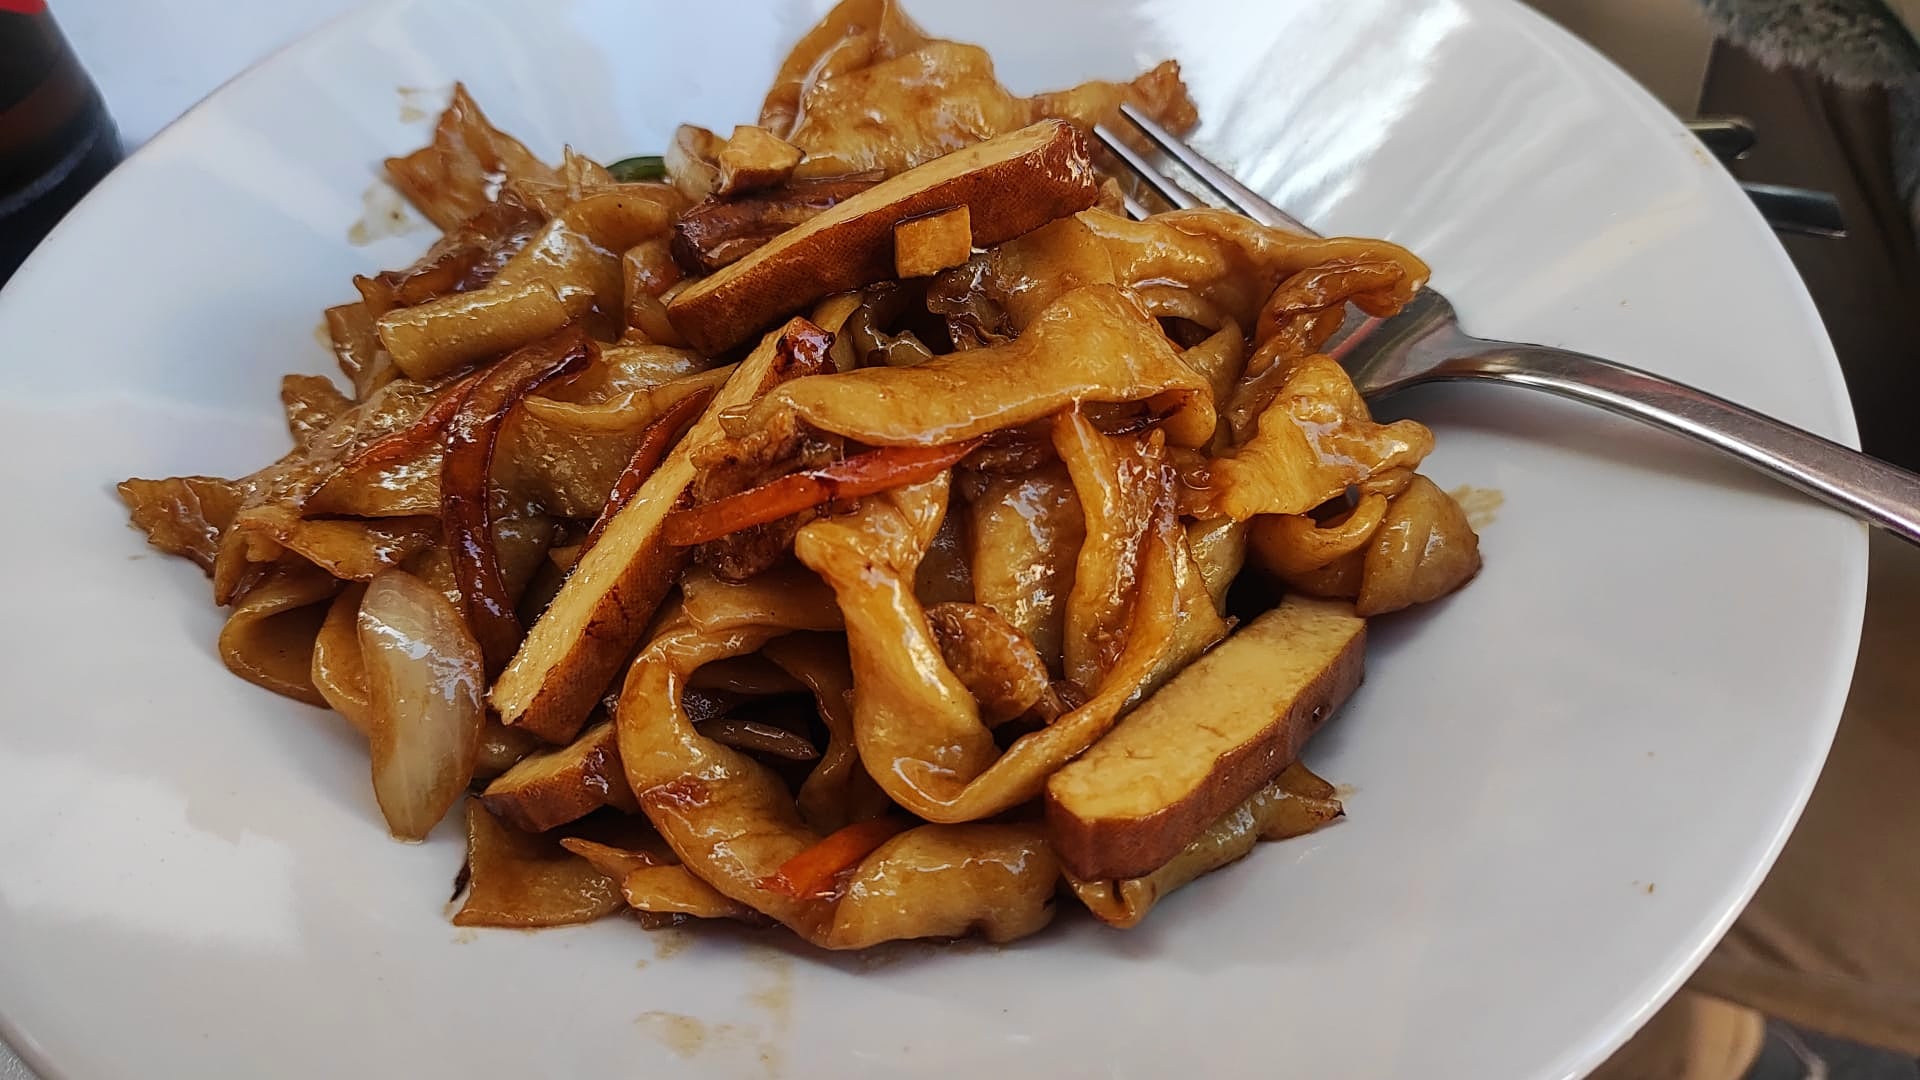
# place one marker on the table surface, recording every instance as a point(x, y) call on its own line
point(154, 61)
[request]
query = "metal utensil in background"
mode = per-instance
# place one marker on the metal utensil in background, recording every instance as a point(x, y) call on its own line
point(1787, 209)
point(1728, 138)
point(1424, 343)
point(1798, 210)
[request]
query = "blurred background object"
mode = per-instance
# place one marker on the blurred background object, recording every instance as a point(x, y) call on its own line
point(1662, 43)
point(1832, 91)
point(56, 139)
point(1820, 977)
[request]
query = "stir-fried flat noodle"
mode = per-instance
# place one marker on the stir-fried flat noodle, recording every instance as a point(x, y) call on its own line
point(868, 89)
point(1025, 534)
point(735, 824)
point(269, 637)
point(803, 628)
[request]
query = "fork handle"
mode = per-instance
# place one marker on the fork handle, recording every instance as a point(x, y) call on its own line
point(1866, 487)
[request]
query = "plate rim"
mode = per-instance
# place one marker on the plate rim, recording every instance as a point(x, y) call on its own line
point(1854, 571)
point(1850, 594)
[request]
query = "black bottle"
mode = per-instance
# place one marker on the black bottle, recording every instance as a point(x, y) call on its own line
point(56, 139)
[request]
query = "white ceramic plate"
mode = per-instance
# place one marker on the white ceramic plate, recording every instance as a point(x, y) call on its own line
point(1565, 781)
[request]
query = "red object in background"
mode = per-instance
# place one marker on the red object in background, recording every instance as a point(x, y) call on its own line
point(56, 140)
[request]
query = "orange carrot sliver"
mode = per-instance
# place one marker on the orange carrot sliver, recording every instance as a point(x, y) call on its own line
point(418, 437)
point(865, 474)
point(811, 872)
point(655, 442)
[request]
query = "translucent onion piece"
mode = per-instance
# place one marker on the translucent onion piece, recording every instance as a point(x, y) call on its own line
point(425, 682)
point(338, 671)
point(1424, 550)
point(1025, 534)
point(1294, 544)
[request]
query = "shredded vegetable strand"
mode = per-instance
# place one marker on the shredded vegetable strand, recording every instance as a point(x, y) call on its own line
point(865, 474)
point(654, 443)
point(466, 502)
point(812, 872)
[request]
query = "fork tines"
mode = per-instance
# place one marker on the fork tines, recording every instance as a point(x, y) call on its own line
point(1230, 192)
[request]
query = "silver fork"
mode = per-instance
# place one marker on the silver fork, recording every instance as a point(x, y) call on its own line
point(1424, 344)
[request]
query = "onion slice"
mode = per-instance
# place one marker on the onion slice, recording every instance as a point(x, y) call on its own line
point(865, 474)
point(758, 737)
point(425, 687)
point(466, 508)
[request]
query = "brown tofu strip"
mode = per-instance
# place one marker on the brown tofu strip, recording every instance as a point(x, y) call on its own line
point(1294, 804)
point(1205, 742)
point(574, 651)
point(1011, 184)
point(721, 232)
point(552, 788)
point(755, 158)
point(927, 245)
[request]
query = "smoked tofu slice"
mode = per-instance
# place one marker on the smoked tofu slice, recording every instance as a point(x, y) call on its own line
point(552, 788)
point(1011, 185)
point(1294, 804)
point(1206, 741)
point(753, 159)
point(590, 630)
point(927, 245)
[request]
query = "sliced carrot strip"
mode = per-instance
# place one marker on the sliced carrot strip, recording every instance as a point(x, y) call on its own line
point(865, 474)
point(418, 437)
point(655, 441)
point(811, 872)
